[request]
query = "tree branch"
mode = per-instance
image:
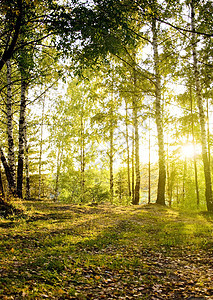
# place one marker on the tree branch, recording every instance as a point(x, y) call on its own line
point(9, 52)
point(183, 29)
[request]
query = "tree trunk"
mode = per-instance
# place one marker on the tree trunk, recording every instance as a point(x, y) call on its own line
point(40, 152)
point(58, 170)
point(208, 133)
point(184, 179)
point(169, 190)
point(21, 138)
point(82, 160)
point(9, 111)
point(1, 187)
point(177, 191)
point(149, 166)
point(137, 161)
point(195, 157)
point(9, 50)
point(136, 134)
point(27, 169)
point(207, 172)
point(133, 166)
point(111, 155)
point(11, 182)
point(159, 121)
point(127, 150)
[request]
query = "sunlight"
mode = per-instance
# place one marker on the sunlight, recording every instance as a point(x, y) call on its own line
point(188, 150)
point(144, 155)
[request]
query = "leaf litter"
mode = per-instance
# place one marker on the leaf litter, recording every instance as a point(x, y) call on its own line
point(106, 252)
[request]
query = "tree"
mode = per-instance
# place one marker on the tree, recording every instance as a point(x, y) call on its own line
point(135, 102)
point(11, 182)
point(207, 172)
point(159, 122)
point(127, 147)
point(22, 124)
point(9, 113)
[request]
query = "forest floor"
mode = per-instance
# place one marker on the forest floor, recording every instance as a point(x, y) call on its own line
point(61, 251)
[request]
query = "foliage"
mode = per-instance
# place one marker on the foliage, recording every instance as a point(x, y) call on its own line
point(104, 42)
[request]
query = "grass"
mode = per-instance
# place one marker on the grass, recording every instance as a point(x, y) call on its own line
point(81, 252)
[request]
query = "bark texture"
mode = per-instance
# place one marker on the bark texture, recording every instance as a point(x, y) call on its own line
point(11, 183)
point(21, 138)
point(9, 112)
point(1, 188)
point(159, 120)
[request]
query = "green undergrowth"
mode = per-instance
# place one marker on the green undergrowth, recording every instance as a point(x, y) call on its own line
point(61, 251)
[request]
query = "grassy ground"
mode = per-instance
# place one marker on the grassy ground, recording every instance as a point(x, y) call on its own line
point(105, 252)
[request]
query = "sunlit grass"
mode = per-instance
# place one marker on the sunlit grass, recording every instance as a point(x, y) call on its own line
point(61, 245)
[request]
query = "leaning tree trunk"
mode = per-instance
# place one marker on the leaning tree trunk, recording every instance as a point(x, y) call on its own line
point(21, 138)
point(159, 121)
point(11, 182)
point(9, 112)
point(207, 171)
point(9, 50)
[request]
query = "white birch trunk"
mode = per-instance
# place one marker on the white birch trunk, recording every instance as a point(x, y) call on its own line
point(21, 138)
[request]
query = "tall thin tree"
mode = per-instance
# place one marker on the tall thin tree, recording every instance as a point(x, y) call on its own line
point(22, 124)
point(159, 118)
point(9, 112)
point(207, 171)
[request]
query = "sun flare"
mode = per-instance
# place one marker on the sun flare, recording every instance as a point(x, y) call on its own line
point(189, 150)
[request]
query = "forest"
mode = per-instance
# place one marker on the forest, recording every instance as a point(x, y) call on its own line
point(107, 102)
point(106, 144)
